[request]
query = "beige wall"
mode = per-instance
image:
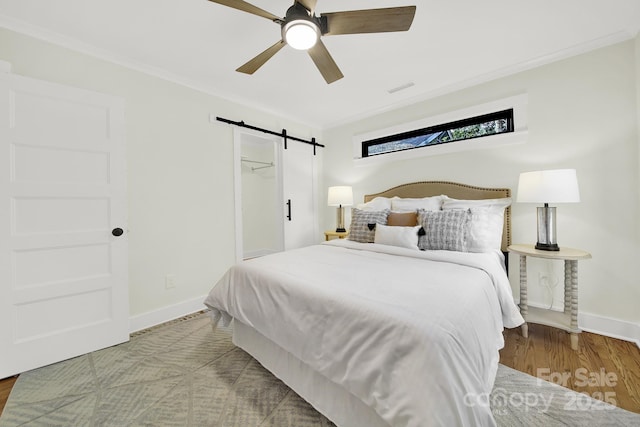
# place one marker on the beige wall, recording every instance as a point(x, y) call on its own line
point(180, 168)
point(582, 114)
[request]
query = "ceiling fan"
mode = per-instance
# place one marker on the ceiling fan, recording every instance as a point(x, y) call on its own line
point(302, 29)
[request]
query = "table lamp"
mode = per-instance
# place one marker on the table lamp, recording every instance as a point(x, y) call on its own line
point(549, 186)
point(340, 196)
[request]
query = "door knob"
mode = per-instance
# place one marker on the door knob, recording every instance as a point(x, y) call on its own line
point(117, 232)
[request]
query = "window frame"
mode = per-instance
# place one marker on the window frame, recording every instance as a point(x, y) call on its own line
point(518, 103)
point(470, 121)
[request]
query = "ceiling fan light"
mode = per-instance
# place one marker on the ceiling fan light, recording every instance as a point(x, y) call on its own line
point(301, 34)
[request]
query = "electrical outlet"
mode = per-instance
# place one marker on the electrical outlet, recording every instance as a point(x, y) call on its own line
point(170, 281)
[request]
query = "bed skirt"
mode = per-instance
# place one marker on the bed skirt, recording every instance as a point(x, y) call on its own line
point(331, 400)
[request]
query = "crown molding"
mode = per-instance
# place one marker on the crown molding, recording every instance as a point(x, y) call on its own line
point(103, 54)
point(76, 45)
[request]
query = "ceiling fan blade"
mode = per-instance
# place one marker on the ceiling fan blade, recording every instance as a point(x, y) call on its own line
point(370, 20)
point(325, 63)
point(257, 62)
point(247, 7)
point(310, 5)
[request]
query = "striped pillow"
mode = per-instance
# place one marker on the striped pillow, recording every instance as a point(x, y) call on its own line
point(363, 224)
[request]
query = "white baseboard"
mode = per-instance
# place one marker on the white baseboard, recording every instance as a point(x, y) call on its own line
point(165, 314)
point(607, 326)
point(614, 328)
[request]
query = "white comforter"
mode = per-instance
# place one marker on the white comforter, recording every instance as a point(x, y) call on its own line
point(415, 335)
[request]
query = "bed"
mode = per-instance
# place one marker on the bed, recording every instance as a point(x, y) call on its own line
point(376, 332)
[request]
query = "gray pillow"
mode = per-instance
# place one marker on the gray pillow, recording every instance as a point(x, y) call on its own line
point(363, 224)
point(444, 230)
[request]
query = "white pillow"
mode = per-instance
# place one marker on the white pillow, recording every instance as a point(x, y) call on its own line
point(498, 204)
point(404, 237)
point(377, 204)
point(433, 203)
point(487, 221)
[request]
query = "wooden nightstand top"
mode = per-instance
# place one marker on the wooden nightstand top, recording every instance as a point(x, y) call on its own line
point(332, 233)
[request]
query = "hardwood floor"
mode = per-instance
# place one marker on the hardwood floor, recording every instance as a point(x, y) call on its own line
point(604, 368)
point(615, 364)
point(5, 388)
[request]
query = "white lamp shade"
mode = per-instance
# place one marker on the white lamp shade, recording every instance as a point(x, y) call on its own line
point(340, 196)
point(550, 186)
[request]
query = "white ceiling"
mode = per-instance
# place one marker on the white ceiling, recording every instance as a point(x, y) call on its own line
point(451, 44)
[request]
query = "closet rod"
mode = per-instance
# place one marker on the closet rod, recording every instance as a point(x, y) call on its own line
point(282, 134)
point(256, 161)
point(254, 168)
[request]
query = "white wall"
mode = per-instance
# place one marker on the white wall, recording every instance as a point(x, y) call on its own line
point(180, 170)
point(637, 72)
point(582, 114)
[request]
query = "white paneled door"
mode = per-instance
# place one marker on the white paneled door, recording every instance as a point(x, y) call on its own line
point(63, 239)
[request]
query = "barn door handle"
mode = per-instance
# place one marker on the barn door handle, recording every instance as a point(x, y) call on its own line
point(117, 232)
point(289, 209)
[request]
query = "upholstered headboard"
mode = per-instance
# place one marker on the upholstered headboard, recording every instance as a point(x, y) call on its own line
point(453, 190)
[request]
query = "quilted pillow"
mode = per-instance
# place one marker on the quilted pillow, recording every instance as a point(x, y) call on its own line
point(444, 230)
point(363, 224)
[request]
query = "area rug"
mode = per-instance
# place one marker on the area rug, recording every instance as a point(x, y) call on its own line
point(184, 374)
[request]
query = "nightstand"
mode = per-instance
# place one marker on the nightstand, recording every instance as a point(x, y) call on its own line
point(566, 320)
point(339, 234)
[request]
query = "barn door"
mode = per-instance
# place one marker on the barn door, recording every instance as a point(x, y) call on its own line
point(299, 188)
point(63, 233)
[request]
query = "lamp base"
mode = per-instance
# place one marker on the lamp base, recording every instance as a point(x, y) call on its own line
point(340, 220)
point(547, 247)
point(547, 229)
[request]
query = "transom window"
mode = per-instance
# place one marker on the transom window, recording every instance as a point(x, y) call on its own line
point(470, 128)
